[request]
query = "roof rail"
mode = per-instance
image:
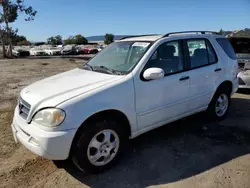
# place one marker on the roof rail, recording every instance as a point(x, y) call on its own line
point(201, 32)
point(133, 36)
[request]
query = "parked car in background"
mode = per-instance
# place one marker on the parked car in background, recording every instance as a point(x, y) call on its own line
point(37, 51)
point(90, 50)
point(133, 86)
point(15, 53)
point(69, 50)
point(19, 51)
point(80, 49)
point(241, 46)
point(53, 51)
point(99, 48)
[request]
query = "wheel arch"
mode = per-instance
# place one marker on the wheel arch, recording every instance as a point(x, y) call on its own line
point(226, 85)
point(105, 114)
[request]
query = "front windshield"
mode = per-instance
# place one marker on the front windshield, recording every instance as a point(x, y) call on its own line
point(120, 56)
point(241, 45)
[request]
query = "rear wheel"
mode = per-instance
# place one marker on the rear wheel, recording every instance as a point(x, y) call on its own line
point(98, 146)
point(218, 108)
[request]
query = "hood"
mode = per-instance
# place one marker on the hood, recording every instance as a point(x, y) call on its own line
point(62, 87)
point(38, 50)
point(56, 50)
point(243, 56)
point(67, 49)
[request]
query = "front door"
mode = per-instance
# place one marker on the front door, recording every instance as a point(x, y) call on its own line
point(160, 101)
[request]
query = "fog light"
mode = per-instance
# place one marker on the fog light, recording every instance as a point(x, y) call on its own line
point(34, 141)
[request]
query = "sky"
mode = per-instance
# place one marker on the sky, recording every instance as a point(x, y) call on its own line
point(131, 17)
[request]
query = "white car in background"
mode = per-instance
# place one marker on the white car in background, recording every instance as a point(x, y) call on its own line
point(37, 52)
point(69, 50)
point(53, 51)
point(241, 47)
point(15, 53)
point(133, 86)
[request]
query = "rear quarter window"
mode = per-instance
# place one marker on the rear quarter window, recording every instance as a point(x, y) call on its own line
point(227, 47)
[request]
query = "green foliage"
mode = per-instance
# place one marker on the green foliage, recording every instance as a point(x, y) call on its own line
point(11, 8)
point(9, 14)
point(56, 40)
point(69, 40)
point(23, 43)
point(16, 39)
point(221, 32)
point(77, 39)
point(27, 10)
point(109, 38)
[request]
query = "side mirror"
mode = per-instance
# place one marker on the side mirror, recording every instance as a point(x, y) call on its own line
point(153, 74)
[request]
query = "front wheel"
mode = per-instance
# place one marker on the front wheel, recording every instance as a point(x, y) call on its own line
point(98, 146)
point(219, 106)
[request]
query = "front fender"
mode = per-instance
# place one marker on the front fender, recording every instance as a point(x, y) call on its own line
point(118, 97)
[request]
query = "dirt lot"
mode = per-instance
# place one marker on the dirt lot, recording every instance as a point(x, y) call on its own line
point(189, 153)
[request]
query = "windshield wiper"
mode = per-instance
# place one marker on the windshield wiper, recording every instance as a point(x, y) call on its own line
point(88, 67)
point(109, 70)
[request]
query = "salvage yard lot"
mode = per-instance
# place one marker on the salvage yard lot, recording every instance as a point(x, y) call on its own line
point(189, 153)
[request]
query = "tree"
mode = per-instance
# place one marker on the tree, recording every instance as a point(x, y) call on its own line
point(109, 38)
point(221, 32)
point(23, 43)
point(69, 40)
point(77, 39)
point(56, 40)
point(15, 38)
point(9, 14)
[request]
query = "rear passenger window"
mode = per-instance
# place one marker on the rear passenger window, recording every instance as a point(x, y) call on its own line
point(201, 53)
point(211, 53)
point(227, 47)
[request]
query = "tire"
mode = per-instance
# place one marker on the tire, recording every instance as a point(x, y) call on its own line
point(219, 106)
point(82, 151)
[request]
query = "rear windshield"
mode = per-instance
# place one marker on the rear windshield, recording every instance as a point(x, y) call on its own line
point(227, 47)
point(241, 45)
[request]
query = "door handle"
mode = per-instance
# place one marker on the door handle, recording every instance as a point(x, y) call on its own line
point(217, 70)
point(184, 78)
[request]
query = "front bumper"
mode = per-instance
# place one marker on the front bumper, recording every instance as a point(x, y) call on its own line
point(244, 87)
point(50, 145)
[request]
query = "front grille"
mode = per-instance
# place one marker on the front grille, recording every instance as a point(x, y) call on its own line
point(24, 108)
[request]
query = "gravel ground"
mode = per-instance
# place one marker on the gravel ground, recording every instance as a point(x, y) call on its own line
point(191, 152)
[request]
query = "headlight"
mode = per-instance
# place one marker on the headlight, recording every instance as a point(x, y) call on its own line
point(50, 117)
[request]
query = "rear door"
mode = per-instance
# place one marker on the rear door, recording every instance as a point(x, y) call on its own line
point(204, 70)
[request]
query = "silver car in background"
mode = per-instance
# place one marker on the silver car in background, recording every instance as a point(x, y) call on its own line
point(241, 47)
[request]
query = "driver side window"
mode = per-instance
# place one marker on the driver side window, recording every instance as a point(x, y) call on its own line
point(168, 57)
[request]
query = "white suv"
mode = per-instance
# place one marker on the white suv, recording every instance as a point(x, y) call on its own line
point(133, 86)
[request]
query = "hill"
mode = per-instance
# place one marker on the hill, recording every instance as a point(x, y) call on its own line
point(237, 33)
point(240, 33)
point(102, 37)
